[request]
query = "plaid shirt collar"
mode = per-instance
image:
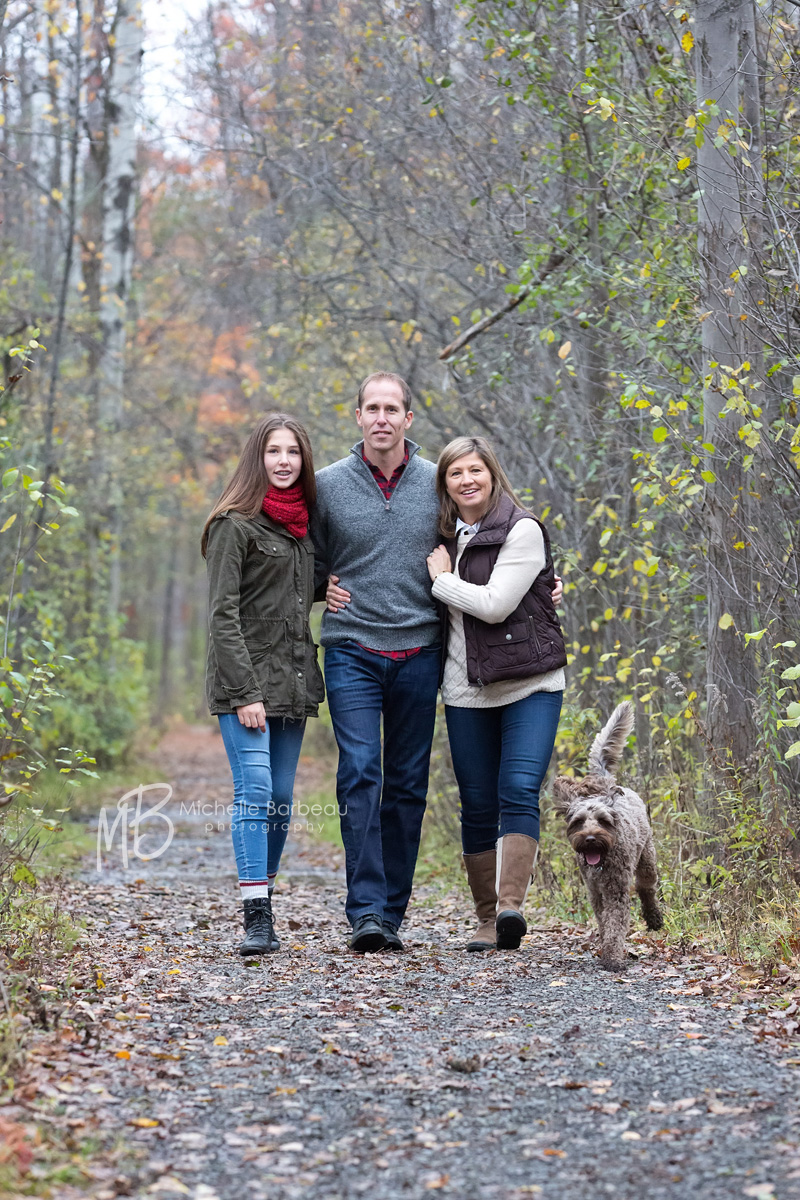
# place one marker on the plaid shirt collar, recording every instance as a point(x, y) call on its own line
point(387, 486)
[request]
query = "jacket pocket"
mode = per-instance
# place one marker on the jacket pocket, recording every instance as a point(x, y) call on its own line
point(272, 547)
point(316, 688)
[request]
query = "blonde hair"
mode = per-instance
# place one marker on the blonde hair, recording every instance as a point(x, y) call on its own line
point(458, 448)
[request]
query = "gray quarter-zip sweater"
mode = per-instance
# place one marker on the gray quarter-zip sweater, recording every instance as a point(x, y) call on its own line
point(378, 548)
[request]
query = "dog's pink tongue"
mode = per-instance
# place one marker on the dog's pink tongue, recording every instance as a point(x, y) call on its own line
point(592, 858)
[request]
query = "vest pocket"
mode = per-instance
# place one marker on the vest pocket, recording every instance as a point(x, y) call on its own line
point(507, 647)
point(537, 649)
point(506, 635)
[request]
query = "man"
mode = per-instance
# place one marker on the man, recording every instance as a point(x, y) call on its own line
point(374, 524)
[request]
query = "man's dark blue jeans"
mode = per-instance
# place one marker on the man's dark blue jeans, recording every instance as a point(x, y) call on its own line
point(500, 759)
point(381, 807)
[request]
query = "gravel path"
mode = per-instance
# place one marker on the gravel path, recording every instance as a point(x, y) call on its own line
point(178, 1069)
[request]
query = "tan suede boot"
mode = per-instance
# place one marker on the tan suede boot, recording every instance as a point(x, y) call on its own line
point(482, 873)
point(516, 859)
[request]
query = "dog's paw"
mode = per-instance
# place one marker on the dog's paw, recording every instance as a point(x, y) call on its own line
point(614, 964)
point(654, 922)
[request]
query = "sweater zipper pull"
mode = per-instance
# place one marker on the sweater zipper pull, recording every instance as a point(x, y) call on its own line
point(386, 506)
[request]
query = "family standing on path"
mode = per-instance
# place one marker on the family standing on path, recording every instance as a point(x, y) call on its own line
point(433, 576)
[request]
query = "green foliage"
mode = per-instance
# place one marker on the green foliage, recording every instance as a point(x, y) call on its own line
point(103, 701)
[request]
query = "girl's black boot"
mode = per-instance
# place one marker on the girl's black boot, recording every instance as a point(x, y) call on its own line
point(258, 934)
point(276, 945)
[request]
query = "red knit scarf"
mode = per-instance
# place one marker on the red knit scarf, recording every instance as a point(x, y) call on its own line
point(288, 507)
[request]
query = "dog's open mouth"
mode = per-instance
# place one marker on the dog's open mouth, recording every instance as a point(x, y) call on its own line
point(592, 858)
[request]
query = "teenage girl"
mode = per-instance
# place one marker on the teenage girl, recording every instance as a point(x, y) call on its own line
point(262, 679)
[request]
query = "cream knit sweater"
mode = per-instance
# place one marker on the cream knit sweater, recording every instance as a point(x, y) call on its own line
point(519, 561)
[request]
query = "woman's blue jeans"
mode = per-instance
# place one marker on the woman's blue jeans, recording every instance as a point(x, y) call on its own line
point(263, 767)
point(500, 758)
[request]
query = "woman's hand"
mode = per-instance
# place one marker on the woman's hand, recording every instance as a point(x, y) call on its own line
point(558, 591)
point(439, 562)
point(252, 716)
point(336, 598)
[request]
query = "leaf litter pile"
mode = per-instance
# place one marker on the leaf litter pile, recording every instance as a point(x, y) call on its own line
point(171, 1067)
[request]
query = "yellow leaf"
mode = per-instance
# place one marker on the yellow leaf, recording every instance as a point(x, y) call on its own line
point(123, 1054)
point(565, 349)
point(687, 41)
point(174, 971)
point(99, 980)
point(683, 163)
point(220, 1041)
point(9, 522)
point(725, 621)
point(144, 1122)
point(690, 122)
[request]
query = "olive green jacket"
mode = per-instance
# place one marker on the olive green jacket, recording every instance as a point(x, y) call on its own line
point(260, 592)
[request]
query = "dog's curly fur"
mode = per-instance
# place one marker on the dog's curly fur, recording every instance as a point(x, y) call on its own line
point(608, 829)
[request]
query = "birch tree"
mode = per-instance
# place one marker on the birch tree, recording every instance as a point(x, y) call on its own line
point(119, 196)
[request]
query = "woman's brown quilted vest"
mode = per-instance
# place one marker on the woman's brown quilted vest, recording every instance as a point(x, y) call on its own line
point(530, 641)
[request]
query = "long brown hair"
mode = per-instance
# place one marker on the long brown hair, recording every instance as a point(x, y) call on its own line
point(501, 485)
point(249, 483)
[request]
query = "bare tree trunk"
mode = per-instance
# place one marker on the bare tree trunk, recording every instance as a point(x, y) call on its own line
point(118, 216)
point(723, 218)
point(49, 464)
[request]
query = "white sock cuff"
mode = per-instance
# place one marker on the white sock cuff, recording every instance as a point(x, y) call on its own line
point(254, 889)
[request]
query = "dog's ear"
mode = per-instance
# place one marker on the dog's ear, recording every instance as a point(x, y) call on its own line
point(562, 793)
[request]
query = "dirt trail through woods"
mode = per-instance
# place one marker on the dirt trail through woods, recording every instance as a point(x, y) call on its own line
point(178, 1069)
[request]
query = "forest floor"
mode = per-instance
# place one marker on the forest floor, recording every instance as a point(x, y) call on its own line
point(171, 1067)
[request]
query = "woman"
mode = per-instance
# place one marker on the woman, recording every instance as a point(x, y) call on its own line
point(262, 679)
point(503, 677)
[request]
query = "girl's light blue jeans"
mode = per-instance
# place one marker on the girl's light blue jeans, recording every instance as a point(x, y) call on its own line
point(263, 767)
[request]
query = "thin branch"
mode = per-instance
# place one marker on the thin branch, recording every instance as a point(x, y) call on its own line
point(555, 260)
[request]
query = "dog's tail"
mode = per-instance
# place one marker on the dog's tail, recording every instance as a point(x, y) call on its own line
point(607, 747)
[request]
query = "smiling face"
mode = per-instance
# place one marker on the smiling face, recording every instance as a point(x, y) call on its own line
point(382, 416)
point(469, 484)
point(283, 458)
